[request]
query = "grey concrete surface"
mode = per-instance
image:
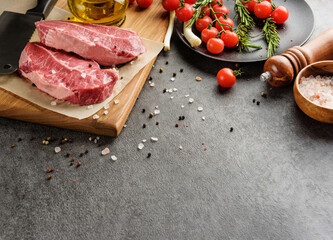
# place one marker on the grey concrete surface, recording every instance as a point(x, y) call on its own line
point(271, 178)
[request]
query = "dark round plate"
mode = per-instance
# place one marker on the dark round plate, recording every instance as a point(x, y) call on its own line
point(295, 31)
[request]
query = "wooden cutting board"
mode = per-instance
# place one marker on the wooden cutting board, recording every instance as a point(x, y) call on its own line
point(149, 23)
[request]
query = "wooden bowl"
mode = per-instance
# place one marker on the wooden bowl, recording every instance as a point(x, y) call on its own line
point(315, 111)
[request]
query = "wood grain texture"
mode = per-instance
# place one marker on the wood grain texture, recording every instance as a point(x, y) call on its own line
point(285, 67)
point(149, 23)
point(322, 114)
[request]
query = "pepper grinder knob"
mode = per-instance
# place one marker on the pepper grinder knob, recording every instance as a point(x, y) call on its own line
point(278, 71)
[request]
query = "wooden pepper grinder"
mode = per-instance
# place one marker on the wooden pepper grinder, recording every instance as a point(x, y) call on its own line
point(281, 70)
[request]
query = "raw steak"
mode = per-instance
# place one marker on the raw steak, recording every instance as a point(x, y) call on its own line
point(66, 76)
point(106, 45)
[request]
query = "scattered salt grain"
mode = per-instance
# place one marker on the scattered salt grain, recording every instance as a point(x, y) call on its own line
point(181, 147)
point(200, 109)
point(140, 146)
point(125, 125)
point(106, 106)
point(156, 111)
point(144, 140)
point(57, 149)
point(190, 100)
point(187, 95)
point(172, 97)
point(172, 79)
point(175, 89)
point(156, 107)
point(170, 90)
point(83, 75)
point(114, 158)
point(53, 71)
point(203, 118)
point(132, 62)
point(116, 101)
point(182, 106)
point(53, 103)
point(105, 112)
point(105, 151)
point(90, 107)
point(95, 117)
point(152, 84)
point(154, 139)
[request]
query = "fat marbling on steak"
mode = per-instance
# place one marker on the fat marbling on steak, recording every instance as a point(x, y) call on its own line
point(66, 76)
point(106, 45)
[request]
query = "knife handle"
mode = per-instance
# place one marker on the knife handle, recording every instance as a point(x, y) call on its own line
point(43, 8)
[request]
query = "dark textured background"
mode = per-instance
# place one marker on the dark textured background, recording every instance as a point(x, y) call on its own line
point(271, 178)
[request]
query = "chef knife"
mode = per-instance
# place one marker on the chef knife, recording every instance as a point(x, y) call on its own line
point(16, 30)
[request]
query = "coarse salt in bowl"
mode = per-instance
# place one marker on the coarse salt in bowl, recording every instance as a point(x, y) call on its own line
point(313, 91)
point(318, 89)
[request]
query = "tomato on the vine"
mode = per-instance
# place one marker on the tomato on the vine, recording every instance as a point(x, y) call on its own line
point(170, 5)
point(215, 45)
point(205, 11)
point(191, 1)
point(185, 13)
point(226, 78)
point(202, 23)
point(250, 5)
point(221, 11)
point(227, 23)
point(216, 2)
point(208, 33)
point(263, 9)
point(144, 3)
point(280, 14)
point(229, 38)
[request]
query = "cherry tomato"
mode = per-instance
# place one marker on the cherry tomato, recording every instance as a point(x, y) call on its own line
point(229, 38)
point(215, 2)
point(144, 3)
point(205, 10)
point(226, 78)
point(221, 11)
point(191, 1)
point(185, 13)
point(202, 23)
point(208, 33)
point(170, 5)
point(215, 45)
point(250, 5)
point(263, 9)
point(280, 14)
point(227, 21)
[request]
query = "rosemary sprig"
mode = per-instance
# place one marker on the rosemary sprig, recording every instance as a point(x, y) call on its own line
point(271, 36)
point(245, 23)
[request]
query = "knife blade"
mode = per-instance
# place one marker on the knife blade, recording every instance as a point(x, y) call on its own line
point(16, 30)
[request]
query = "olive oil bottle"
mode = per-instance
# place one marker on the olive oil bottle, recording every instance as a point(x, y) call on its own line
point(107, 12)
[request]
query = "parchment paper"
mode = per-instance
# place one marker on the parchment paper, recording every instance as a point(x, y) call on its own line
point(23, 88)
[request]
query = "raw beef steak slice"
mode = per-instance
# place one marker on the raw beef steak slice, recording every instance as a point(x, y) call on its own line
point(66, 76)
point(106, 45)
